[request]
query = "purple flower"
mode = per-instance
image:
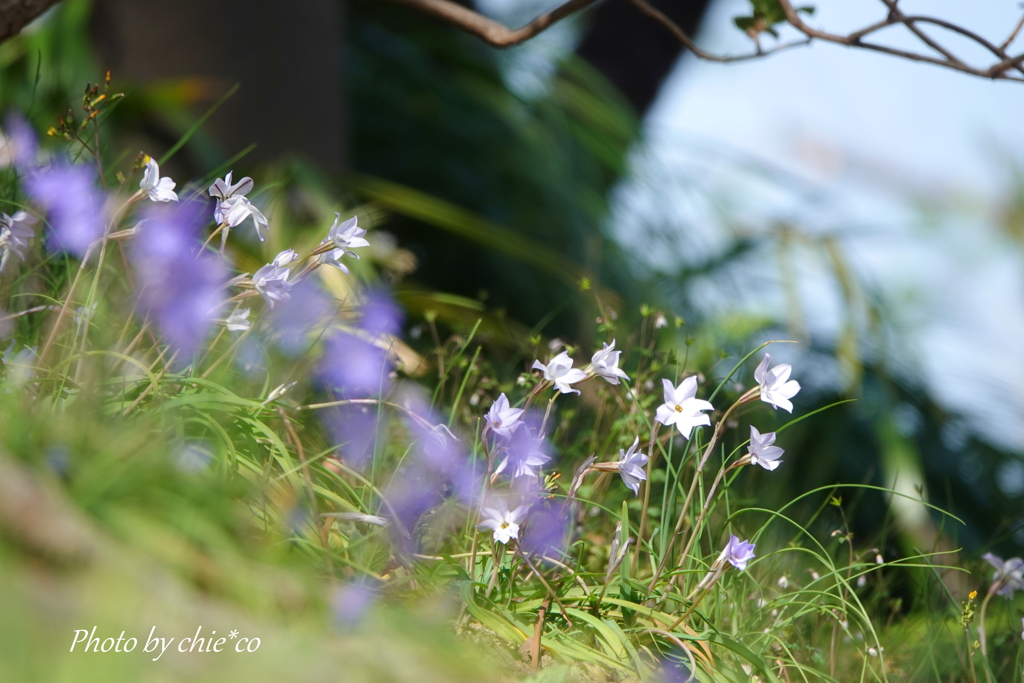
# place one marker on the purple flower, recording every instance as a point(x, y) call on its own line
point(354, 429)
point(547, 529)
point(440, 453)
point(355, 368)
point(738, 553)
point(304, 317)
point(1009, 574)
point(68, 193)
point(20, 141)
point(183, 293)
point(525, 455)
point(381, 314)
point(502, 418)
point(351, 602)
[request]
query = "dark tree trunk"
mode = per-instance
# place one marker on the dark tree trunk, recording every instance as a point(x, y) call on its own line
point(286, 62)
point(634, 52)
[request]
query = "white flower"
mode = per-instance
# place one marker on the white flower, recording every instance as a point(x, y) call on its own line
point(761, 450)
point(775, 389)
point(285, 258)
point(631, 467)
point(159, 189)
point(606, 363)
point(503, 523)
point(238, 321)
point(271, 280)
point(561, 372)
point(240, 208)
point(223, 191)
point(1009, 574)
point(15, 233)
point(783, 582)
point(333, 258)
point(504, 419)
point(345, 236)
point(233, 207)
point(681, 407)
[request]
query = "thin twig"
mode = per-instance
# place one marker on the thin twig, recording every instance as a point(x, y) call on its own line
point(493, 32)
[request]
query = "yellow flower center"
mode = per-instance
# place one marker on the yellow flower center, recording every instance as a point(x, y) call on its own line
point(679, 409)
point(504, 525)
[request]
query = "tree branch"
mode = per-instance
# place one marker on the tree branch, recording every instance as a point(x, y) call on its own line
point(491, 31)
point(15, 14)
point(501, 36)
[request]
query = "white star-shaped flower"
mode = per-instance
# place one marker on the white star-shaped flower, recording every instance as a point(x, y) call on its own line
point(631, 467)
point(159, 189)
point(761, 450)
point(15, 233)
point(682, 408)
point(233, 207)
point(345, 236)
point(605, 363)
point(223, 191)
point(502, 522)
point(775, 389)
point(561, 372)
point(238, 321)
point(502, 418)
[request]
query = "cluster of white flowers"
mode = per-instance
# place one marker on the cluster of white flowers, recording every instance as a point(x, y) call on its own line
point(681, 408)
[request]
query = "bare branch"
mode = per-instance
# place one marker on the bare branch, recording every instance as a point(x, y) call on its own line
point(662, 19)
point(1013, 34)
point(491, 31)
point(501, 36)
point(15, 14)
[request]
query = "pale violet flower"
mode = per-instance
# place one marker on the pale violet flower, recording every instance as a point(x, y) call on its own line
point(526, 455)
point(159, 189)
point(502, 522)
point(682, 408)
point(1009, 574)
point(15, 233)
point(504, 419)
point(223, 191)
point(271, 281)
point(561, 372)
point(776, 387)
point(738, 553)
point(605, 363)
point(631, 467)
point(761, 450)
point(238, 321)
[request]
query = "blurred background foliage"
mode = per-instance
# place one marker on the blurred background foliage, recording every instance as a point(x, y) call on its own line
point(498, 200)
